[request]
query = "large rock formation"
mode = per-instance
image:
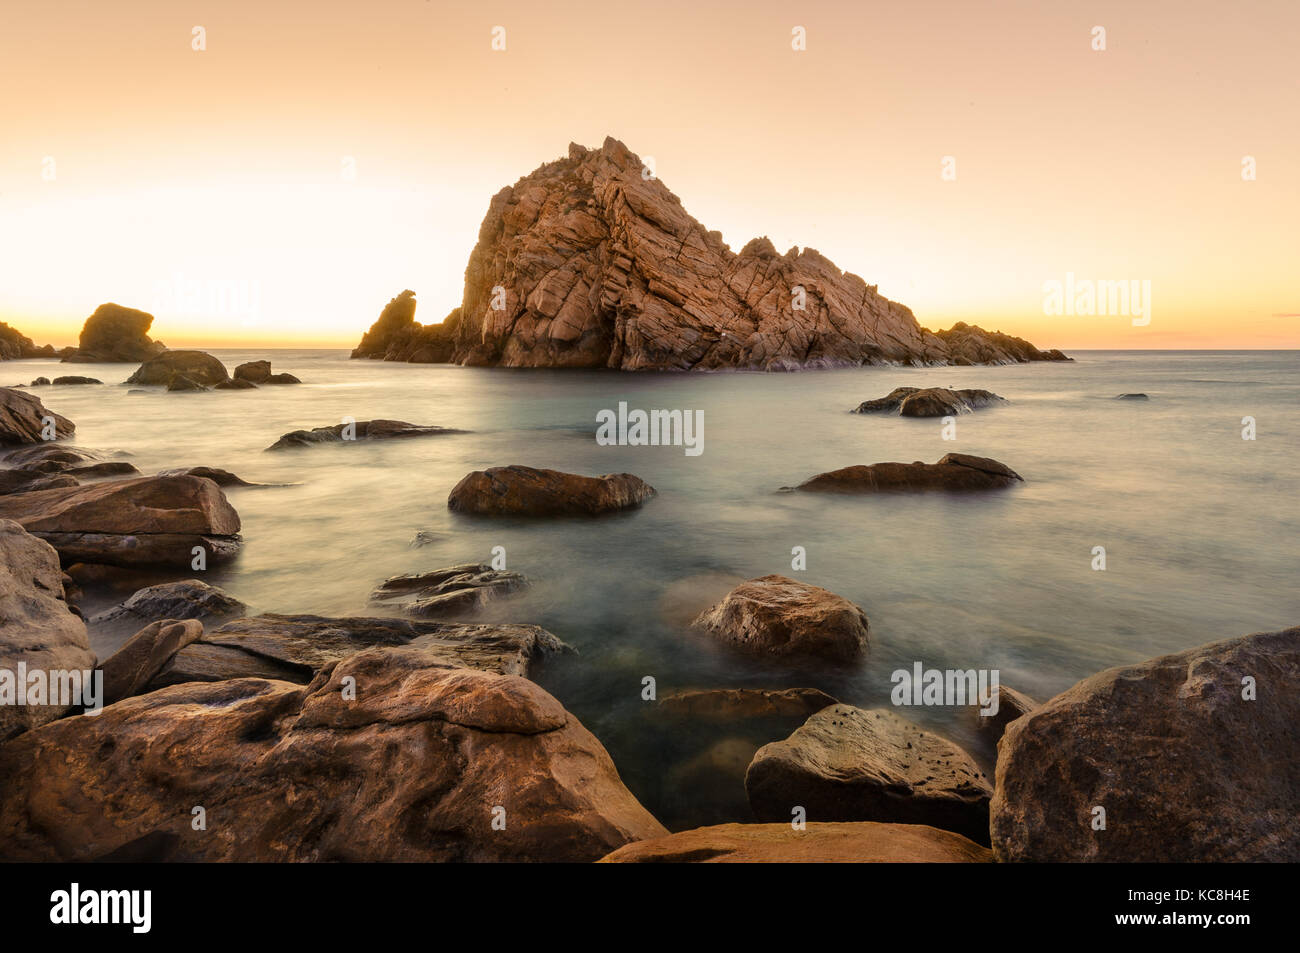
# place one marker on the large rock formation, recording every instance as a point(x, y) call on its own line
point(388, 755)
point(181, 370)
point(1191, 757)
point(14, 345)
point(37, 629)
point(23, 419)
point(114, 334)
point(149, 521)
point(527, 491)
point(955, 472)
point(865, 842)
point(592, 262)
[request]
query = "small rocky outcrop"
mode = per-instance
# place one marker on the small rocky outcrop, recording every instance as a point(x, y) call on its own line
point(777, 617)
point(15, 345)
point(361, 430)
point(744, 704)
point(148, 521)
point(965, 344)
point(37, 629)
point(864, 842)
point(396, 336)
point(259, 372)
point(115, 335)
point(848, 764)
point(23, 419)
point(128, 670)
point(73, 380)
point(180, 370)
point(527, 491)
point(929, 402)
point(1193, 757)
point(414, 765)
point(954, 472)
point(451, 592)
point(184, 599)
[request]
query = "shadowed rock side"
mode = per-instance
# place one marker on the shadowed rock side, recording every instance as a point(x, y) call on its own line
point(953, 472)
point(526, 491)
point(929, 402)
point(115, 335)
point(1190, 762)
point(865, 842)
point(588, 263)
point(23, 419)
point(412, 768)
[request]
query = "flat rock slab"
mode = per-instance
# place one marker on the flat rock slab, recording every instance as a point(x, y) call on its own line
point(150, 521)
point(954, 472)
point(739, 704)
point(778, 617)
point(410, 767)
point(23, 419)
point(527, 491)
point(864, 842)
point(1185, 767)
point(361, 430)
point(454, 591)
point(929, 402)
point(850, 764)
point(304, 644)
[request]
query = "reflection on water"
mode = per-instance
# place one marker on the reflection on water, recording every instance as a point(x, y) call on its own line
point(1197, 523)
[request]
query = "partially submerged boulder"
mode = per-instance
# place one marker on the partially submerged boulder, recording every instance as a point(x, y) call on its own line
point(57, 457)
point(778, 617)
point(444, 593)
point(217, 475)
point(148, 521)
point(74, 380)
point(25, 481)
point(259, 372)
point(864, 842)
point(184, 369)
point(955, 472)
point(1192, 757)
point(1011, 705)
point(38, 632)
point(739, 704)
point(849, 764)
point(115, 335)
point(929, 402)
point(183, 599)
point(24, 420)
point(361, 430)
point(421, 762)
point(527, 491)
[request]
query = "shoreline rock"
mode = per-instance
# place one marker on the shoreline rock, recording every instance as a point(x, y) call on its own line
point(527, 491)
point(23, 419)
point(954, 472)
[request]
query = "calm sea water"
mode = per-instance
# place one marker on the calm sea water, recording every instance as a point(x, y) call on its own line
point(1197, 523)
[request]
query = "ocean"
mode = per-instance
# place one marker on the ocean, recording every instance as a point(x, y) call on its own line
point(1194, 521)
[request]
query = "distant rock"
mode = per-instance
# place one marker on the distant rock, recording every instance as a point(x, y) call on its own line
point(23, 419)
point(929, 402)
point(41, 382)
point(37, 628)
point(72, 379)
point(187, 369)
point(235, 385)
point(849, 764)
point(590, 262)
point(361, 430)
point(128, 670)
point(115, 335)
point(184, 599)
point(259, 372)
point(740, 704)
point(148, 521)
point(451, 592)
point(777, 617)
point(953, 472)
point(282, 379)
point(527, 491)
point(15, 345)
point(1132, 397)
point(863, 842)
point(1194, 758)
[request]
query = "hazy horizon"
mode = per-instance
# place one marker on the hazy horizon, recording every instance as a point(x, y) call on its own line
point(321, 164)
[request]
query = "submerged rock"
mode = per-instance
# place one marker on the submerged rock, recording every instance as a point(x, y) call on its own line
point(740, 704)
point(180, 370)
point(777, 617)
point(864, 842)
point(115, 335)
point(259, 372)
point(929, 402)
point(1132, 397)
point(73, 380)
point(953, 472)
point(215, 474)
point(57, 457)
point(361, 430)
point(454, 591)
point(527, 491)
point(142, 522)
point(235, 384)
point(37, 629)
point(414, 765)
point(1193, 757)
point(848, 764)
point(24, 419)
point(184, 599)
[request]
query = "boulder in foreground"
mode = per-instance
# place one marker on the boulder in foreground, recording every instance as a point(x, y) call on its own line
point(777, 617)
point(361, 430)
point(929, 402)
point(955, 472)
point(416, 767)
point(864, 842)
point(526, 491)
point(149, 521)
point(850, 764)
point(1185, 766)
point(24, 419)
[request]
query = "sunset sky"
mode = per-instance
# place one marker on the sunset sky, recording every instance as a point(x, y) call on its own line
point(130, 161)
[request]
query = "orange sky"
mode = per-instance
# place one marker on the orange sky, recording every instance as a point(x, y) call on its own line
point(221, 172)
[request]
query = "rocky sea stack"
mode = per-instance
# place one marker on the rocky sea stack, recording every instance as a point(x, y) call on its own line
point(590, 262)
